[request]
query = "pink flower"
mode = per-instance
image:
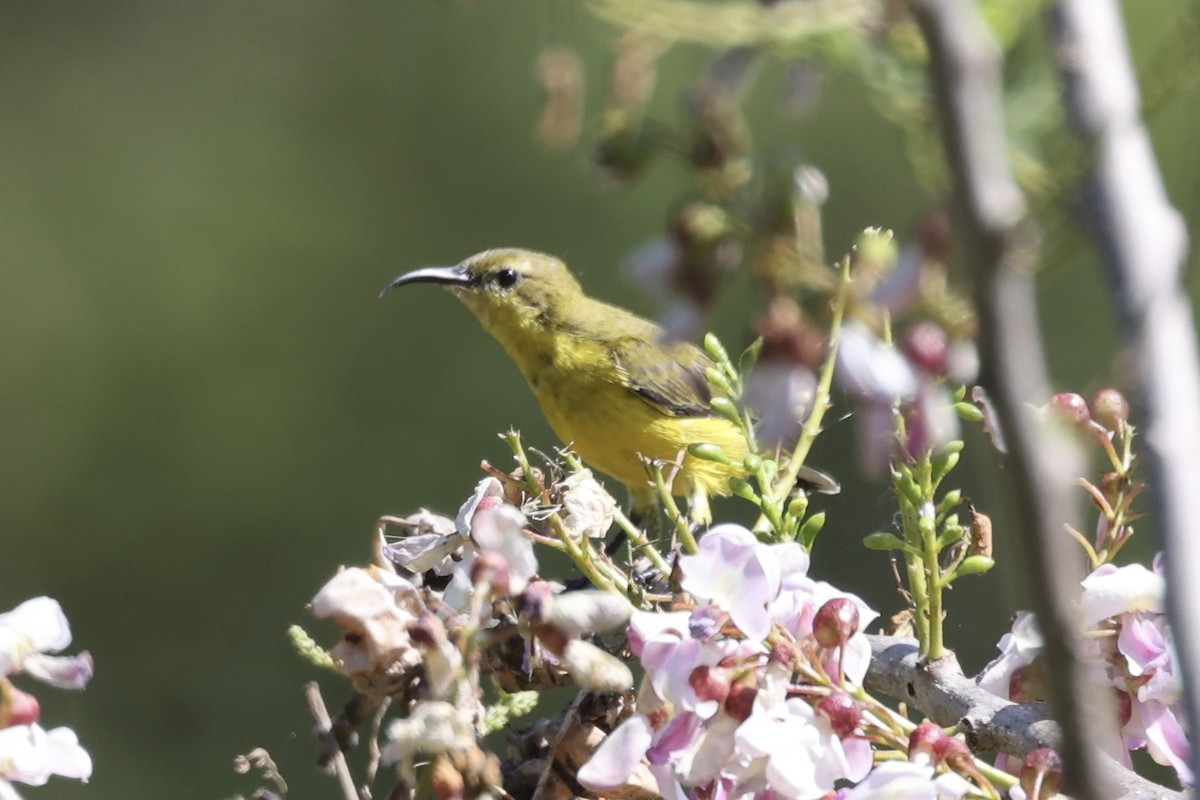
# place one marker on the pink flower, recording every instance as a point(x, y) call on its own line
point(904, 780)
point(1111, 590)
point(737, 573)
point(1018, 648)
point(795, 751)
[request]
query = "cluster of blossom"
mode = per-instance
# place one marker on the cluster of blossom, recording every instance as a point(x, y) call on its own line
point(411, 622)
point(30, 754)
point(754, 694)
point(1130, 648)
point(745, 695)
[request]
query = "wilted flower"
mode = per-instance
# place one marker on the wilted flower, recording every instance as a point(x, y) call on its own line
point(375, 609)
point(430, 543)
point(491, 524)
point(434, 726)
point(587, 509)
point(560, 620)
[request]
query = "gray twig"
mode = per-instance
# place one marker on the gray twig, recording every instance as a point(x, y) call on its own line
point(991, 724)
point(1143, 242)
point(965, 74)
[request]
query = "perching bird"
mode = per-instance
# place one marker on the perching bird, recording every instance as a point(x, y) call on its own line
point(608, 382)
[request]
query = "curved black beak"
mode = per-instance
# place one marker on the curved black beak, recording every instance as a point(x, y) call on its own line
point(447, 276)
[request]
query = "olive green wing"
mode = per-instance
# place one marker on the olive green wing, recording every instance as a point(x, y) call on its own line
point(667, 375)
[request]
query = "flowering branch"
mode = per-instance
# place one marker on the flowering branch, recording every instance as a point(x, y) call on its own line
point(965, 74)
point(991, 724)
point(1143, 242)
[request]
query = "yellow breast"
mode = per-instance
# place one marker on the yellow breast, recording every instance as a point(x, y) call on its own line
point(610, 426)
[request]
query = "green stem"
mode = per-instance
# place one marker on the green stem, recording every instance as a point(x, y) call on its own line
point(821, 402)
point(638, 543)
point(682, 528)
point(934, 647)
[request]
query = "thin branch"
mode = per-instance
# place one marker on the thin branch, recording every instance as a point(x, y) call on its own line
point(992, 724)
point(316, 706)
point(965, 74)
point(1143, 242)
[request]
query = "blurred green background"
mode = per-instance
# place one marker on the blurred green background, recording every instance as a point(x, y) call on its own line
point(203, 405)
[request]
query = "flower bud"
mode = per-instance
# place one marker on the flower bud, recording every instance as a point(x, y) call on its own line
point(17, 707)
point(1041, 774)
point(923, 742)
point(953, 752)
point(706, 451)
point(589, 611)
point(928, 347)
point(594, 669)
point(835, 622)
point(739, 703)
point(1071, 408)
point(1110, 408)
point(710, 683)
point(491, 569)
point(535, 601)
point(445, 780)
point(1028, 683)
point(842, 711)
point(1124, 707)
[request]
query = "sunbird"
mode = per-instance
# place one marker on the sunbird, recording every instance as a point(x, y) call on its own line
point(610, 383)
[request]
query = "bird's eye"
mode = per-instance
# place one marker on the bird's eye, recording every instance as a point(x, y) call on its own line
point(507, 278)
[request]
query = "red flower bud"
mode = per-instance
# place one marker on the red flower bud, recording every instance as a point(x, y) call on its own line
point(1041, 774)
point(492, 569)
point(836, 621)
point(17, 707)
point(1071, 408)
point(843, 712)
point(1110, 408)
point(925, 740)
point(1124, 708)
point(952, 751)
point(739, 703)
point(710, 683)
point(928, 347)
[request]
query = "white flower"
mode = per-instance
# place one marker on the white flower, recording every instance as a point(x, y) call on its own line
point(1110, 591)
point(904, 780)
point(799, 754)
point(31, 630)
point(32, 755)
point(870, 368)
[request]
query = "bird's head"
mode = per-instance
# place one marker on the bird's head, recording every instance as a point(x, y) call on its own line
point(508, 290)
